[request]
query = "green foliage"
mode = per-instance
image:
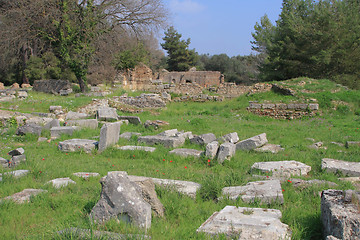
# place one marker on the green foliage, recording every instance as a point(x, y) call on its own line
point(317, 39)
point(130, 58)
point(180, 58)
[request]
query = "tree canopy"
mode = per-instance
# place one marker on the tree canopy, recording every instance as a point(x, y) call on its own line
point(318, 39)
point(180, 58)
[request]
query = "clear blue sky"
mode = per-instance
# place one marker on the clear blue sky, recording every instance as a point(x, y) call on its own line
point(220, 26)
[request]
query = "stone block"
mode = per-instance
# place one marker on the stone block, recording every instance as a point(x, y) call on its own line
point(84, 123)
point(74, 145)
point(18, 173)
point(184, 187)
point(272, 148)
point(352, 143)
point(231, 137)
point(351, 169)
point(25, 195)
point(61, 182)
point(212, 149)
point(340, 214)
point(137, 148)
point(266, 192)
point(78, 233)
point(132, 119)
point(58, 131)
point(75, 115)
point(128, 135)
point(253, 105)
point(16, 152)
point(281, 106)
point(54, 109)
point(268, 106)
point(169, 142)
point(226, 151)
point(51, 124)
point(313, 106)
point(86, 175)
point(29, 128)
point(252, 143)
point(247, 223)
point(106, 114)
point(203, 139)
point(109, 135)
point(283, 168)
point(120, 198)
point(184, 152)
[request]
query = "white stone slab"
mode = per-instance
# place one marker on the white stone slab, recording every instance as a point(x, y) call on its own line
point(283, 168)
point(351, 169)
point(61, 182)
point(247, 223)
point(264, 191)
point(185, 152)
point(137, 148)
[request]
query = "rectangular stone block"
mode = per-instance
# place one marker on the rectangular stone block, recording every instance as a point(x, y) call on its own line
point(109, 135)
point(268, 106)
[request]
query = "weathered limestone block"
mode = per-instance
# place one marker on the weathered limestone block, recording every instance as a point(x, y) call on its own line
point(184, 152)
point(226, 151)
point(109, 135)
point(352, 143)
point(25, 195)
point(340, 214)
point(61, 182)
point(53, 123)
point(54, 109)
point(314, 106)
point(270, 148)
point(106, 114)
point(120, 198)
point(347, 168)
point(148, 193)
point(203, 139)
point(58, 131)
point(254, 105)
point(128, 135)
point(86, 175)
point(137, 148)
point(231, 137)
point(74, 145)
point(265, 191)
point(283, 168)
point(268, 106)
point(132, 119)
point(156, 123)
point(184, 187)
point(84, 123)
point(18, 173)
point(212, 149)
point(75, 115)
point(16, 152)
point(252, 143)
point(29, 128)
point(169, 142)
point(247, 223)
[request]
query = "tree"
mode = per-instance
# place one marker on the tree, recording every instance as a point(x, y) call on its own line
point(81, 22)
point(129, 59)
point(180, 58)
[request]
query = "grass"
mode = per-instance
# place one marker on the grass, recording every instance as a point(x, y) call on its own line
point(70, 207)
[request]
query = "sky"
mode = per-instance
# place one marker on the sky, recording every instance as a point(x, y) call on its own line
point(220, 26)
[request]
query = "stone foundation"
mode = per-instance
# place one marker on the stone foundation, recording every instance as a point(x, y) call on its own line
point(283, 110)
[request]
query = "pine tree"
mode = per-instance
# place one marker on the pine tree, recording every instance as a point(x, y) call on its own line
point(180, 58)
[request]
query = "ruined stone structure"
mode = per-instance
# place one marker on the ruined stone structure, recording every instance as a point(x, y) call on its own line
point(283, 110)
point(202, 78)
point(138, 79)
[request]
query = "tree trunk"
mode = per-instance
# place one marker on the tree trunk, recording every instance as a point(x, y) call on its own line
point(25, 50)
point(81, 84)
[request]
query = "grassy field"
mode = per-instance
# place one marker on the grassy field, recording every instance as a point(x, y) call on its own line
point(70, 206)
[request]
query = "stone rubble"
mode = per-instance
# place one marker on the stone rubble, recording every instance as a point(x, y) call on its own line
point(212, 149)
point(226, 152)
point(272, 148)
point(24, 196)
point(74, 145)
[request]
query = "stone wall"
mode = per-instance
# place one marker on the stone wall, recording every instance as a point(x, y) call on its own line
point(10, 94)
point(138, 79)
point(202, 78)
point(62, 87)
point(283, 110)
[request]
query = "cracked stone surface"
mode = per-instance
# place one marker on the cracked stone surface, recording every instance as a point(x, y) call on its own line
point(283, 168)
